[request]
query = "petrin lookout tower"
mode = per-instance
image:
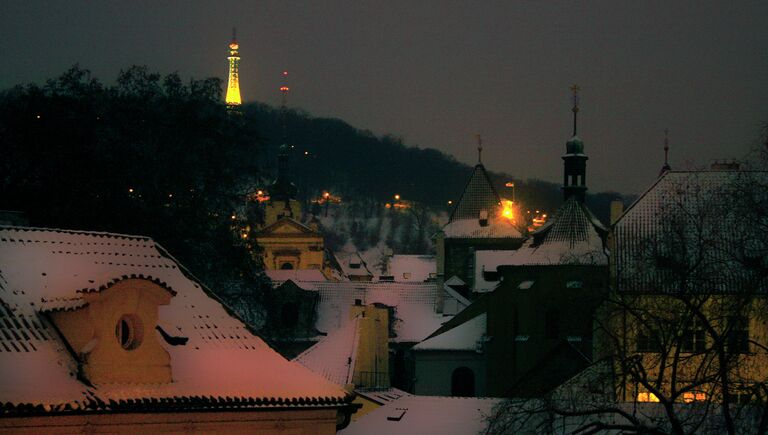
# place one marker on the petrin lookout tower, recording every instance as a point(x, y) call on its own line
point(233, 82)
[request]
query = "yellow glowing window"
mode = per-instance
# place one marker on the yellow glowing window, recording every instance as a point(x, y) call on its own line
point(691, 397)
point(647, 397)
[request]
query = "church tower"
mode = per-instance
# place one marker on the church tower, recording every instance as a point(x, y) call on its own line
point(575, 161)
point(233, 81)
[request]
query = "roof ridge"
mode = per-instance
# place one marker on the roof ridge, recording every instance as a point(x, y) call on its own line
point(74, 232)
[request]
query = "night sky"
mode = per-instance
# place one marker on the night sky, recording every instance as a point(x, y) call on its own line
point(436, 73)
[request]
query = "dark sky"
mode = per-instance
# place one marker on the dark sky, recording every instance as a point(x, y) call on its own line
point(436, 73)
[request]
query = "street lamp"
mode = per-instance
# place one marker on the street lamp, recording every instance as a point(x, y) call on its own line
point(511, 185)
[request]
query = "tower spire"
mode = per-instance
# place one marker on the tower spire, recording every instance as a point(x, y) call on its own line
point(666, 166)
point(574, 160)
point(233, 82)
point(479, 149)
point(284, 89)
point(575, 90)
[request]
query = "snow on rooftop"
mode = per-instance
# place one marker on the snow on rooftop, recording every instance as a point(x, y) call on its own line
point(44, 269)
point(497, 228)
point(573, 236)
point(353, 264)
point(415, 314)
point(466, 336)
point(333, 357)
point(488, 261)
point(279, 276)
point(420, 415)
point(719, 213)
point(414, 268)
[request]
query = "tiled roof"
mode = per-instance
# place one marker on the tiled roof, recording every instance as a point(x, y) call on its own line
point(420, 415)
point(478, 194)
point(415, 314)
point(333, 357)
point(573, 236)
point(222, 365)
point(716, 218)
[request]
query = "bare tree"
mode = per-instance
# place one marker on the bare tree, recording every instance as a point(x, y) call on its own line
point(681, 338)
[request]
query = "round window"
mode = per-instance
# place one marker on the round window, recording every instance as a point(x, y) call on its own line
point(129, 331)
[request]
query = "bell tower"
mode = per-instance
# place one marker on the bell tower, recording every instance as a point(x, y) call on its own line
point(233, 81)
point(574, 160)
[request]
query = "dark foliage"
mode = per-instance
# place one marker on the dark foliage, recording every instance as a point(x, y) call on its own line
point(149, 155)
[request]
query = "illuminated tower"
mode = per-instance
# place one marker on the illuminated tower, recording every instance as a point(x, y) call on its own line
point(575, 161)
point(233, 82)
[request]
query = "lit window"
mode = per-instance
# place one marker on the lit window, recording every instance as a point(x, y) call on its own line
point(647, 397)
point(129, 331)
point(694, 396)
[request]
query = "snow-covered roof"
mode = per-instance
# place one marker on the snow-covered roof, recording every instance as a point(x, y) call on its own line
point(222, 365)
point(382, 395)
point(414, 268)
point(353, 264)
point(497, 228)
point(415, 314)
point(573, 236)
point(478, 195)
point(488, 261)
point(466, 336)
point(711, 223)
point(278, 276)
point(333, 357)
point(419, 415)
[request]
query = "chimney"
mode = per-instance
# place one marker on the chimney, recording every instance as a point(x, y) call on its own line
point(372, 359)
point(483, 218)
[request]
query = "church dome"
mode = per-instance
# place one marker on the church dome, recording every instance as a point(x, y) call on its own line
point(574, 146)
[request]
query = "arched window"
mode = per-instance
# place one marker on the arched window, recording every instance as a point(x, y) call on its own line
point(290, 315)
point(286, 266)
point(552, 324)
point(463, 382)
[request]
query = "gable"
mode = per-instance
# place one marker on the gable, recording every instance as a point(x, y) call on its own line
point(286, 226)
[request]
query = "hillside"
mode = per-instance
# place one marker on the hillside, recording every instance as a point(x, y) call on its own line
point(329, 154)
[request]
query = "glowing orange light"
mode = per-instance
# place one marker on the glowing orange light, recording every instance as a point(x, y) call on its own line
point(647, 397)
point(130, 190)
point(510, 184)
point(388, 205)
point(450, 202)
point(507, 210)
point(245, 235)
point(233, 217)
point(306, 153)
point(326, 194)
point(284, 89)
point(397, 197)
point(260, 192)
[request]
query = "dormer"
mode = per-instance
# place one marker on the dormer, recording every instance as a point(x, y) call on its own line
point(112, 332)
point(483, 218)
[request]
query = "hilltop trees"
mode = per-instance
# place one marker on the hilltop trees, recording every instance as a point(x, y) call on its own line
point(149, 155)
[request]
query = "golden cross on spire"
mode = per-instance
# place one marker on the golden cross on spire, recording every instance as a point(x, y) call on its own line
point(575, 89)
